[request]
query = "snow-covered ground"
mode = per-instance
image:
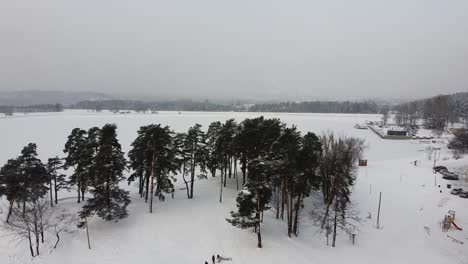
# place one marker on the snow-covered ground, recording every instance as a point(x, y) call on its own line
point(190, 231)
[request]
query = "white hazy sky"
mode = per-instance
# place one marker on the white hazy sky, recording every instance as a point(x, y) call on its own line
point(264, 49)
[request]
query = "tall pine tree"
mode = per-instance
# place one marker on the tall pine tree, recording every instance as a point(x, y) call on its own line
point(252, 200)
point(109, 201)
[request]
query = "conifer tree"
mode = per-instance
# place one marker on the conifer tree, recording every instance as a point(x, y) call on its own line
point(252, 200)
point(12, 184)
point(74, 148)
point(34, 174)
point(195, 148)
point(212, 135)
point(155, 155)
point(57, 180)
point(109, 201)
point(285, 153)
point(137, 161)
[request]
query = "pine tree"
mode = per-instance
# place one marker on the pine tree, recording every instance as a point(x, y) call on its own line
point(162, 155)
point(212, 135)
point(12, 184)
point(34, 173)
point(87, 159)
point(285, 153)
point(109, 201)
point(252, 200)
point(254, 139)
point(155, 155)
point(180, 142)
point(308, 177)
point(57, 181)
point(137, 161)
point(195, 148)
point(74, 148)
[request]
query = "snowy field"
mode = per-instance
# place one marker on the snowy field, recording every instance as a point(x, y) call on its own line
point(190, 231)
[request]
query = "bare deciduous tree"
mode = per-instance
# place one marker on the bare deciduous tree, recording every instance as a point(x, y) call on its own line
point(33, 220)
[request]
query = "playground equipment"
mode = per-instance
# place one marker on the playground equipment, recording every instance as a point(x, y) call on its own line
point(448, 221)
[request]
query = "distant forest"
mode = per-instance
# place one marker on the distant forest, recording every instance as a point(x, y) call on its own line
point(435, 112)
point(291, 107)
point(10, 109)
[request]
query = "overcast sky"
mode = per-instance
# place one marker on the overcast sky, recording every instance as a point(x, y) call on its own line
point(236, 49)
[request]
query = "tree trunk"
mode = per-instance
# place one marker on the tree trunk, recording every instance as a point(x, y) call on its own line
point(259, 236)
point(42, 229)
point(334, 228)
point(140, 190)
point(296, 216)
point(283, 197)
point(51, 195)
point(30, 243)
point(225, 172)
point(152, 194)
point(36, 233)
point(243, 168)
point(192, 176)
point(221, 190)
point(325, 217)
point(9, 211)
point(148, 175)
point(289, 212)
point(230, 167)
point(58, 240)
point(55, 189)
point(79, 191)
point(235, 174)
point(185, 181)
point(277, 197)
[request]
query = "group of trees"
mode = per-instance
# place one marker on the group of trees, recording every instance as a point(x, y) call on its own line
point(459, 143)
point(98, 164)
point(278, 168)
point(288, 170)
point(436, 112)
point(25, 181)
point(274, 161)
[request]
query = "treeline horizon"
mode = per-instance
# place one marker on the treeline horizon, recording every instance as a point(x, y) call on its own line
point(451, 104)
point(368, 107)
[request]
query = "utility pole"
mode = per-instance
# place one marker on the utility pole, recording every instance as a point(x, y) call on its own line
point(87, 232)
point(378, 213)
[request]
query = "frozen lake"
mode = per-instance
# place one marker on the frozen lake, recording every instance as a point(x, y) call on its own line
point(50, 130)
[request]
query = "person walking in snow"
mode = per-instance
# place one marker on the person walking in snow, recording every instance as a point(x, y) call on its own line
point(213, 259)
point(206, 262)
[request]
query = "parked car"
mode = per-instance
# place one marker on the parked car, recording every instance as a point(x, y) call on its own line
point(456, 191)
point(447, 175)
point(464, 195)
point(440, 168)
point(450, 177)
